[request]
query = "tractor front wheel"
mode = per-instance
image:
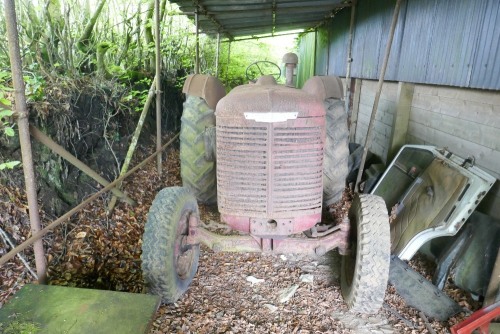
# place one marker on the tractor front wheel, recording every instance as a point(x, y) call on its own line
point(365, 270)
point(168, 262)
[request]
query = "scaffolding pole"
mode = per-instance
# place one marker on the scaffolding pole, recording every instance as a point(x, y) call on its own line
point(158, 86)
point(24, 136)
point(228, 59)
point(217, 56)
point(347, 91)
point(378, 93)
point(197, 46)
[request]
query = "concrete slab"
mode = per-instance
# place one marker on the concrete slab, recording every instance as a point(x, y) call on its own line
point(55, 309)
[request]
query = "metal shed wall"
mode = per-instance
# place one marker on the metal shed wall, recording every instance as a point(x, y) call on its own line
point(442, 42)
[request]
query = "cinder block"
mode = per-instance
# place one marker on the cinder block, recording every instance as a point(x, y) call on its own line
point(426, 90)
point(451, 107)
point(426, 102)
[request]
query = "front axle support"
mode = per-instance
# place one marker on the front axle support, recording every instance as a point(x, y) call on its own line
point(289, 245)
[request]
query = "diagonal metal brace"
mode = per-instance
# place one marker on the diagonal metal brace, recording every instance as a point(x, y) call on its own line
point(58, 149)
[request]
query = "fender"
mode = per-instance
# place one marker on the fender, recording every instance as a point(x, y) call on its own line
point(324, 87)
point(207, 87)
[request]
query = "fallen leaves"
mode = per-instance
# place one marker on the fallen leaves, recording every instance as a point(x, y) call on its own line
point(231, 292)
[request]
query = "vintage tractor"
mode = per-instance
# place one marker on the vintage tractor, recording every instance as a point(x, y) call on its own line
point(280, 154)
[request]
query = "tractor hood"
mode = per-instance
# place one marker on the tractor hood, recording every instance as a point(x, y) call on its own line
point(269, 103)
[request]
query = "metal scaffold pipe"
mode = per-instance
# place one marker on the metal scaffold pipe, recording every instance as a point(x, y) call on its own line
point(347, 90)
point(197, 46)
point(24, 136)
point(378, 93)
point(217, 56)
point(158, 86)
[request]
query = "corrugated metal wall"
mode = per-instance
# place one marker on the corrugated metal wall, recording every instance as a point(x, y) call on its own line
point(339, 38)
point(443, 42)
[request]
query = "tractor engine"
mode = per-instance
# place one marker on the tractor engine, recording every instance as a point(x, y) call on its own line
point(269, 145)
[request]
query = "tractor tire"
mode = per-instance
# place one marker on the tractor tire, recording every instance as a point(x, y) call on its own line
point(168, 264)
point(335, 167)
point(365, 270)
point(197, 162)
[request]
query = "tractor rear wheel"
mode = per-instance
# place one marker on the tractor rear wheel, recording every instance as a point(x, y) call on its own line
point(196, 153)
point(168, 262)
point(365, 270)
point(336, 154)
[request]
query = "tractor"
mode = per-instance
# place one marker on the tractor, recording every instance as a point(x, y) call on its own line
point(271, 156)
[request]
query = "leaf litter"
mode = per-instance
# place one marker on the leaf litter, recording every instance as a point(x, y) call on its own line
point(94, 250)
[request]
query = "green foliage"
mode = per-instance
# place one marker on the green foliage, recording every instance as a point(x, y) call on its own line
point(8, 131)
point(5, 115)
point(57, 39)
point(138, 97)
point(242, 54)
point(9, 165)
point(5, 104)
point(3, 100)
point(20, 327)
point(34, 84)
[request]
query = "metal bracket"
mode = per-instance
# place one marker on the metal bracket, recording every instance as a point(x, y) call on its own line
point(270, 228)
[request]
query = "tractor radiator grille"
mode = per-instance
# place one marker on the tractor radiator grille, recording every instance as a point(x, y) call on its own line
point(268, 171)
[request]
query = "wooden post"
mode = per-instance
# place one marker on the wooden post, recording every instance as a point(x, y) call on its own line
point(401, 119)
point(24, 136)
point(197, 44)
point(158, 86)
point(347, 91)
point(378, 93)
point(355, 110)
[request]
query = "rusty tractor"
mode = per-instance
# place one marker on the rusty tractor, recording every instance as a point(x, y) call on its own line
point(271, 156)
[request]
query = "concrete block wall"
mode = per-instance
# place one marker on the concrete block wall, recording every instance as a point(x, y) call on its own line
point(383, 119)
point(467, 121)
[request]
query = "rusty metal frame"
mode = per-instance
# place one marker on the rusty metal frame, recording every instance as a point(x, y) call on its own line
point(24, 135)
point(250, 243)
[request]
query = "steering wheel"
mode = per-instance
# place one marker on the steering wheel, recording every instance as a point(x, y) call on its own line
point(262, 67)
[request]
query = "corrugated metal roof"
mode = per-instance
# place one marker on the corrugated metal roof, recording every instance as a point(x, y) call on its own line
point(236, 18)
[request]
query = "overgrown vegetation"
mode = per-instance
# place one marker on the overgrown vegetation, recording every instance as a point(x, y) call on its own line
point(88, 66)
point(19, 327)
point(6, 126)
point(114, 39)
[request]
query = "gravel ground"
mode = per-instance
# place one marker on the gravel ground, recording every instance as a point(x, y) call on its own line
point(231, 292)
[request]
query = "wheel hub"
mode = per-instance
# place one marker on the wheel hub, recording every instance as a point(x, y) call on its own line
point(184, 253)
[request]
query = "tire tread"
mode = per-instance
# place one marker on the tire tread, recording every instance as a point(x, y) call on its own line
point(371, 272)
point(197, 173)
point(158, 267)
point(336, 154)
